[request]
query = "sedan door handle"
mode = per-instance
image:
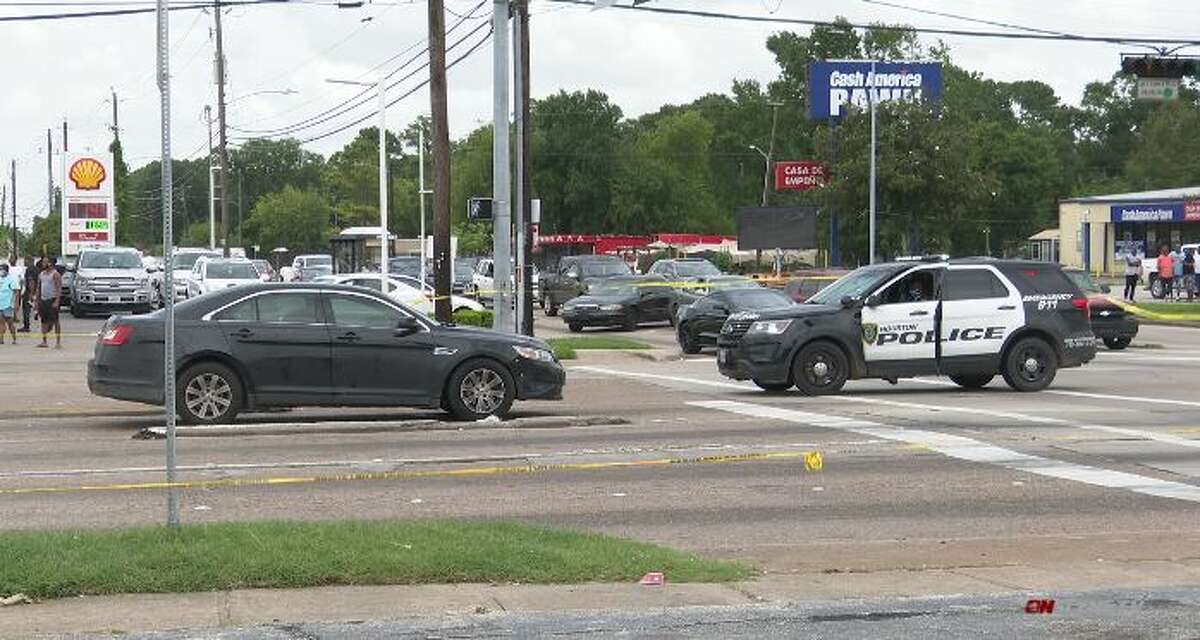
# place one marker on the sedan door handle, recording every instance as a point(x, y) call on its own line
point(349, 337)
point(242, 333)
point(919, 313)
point(1007, 307)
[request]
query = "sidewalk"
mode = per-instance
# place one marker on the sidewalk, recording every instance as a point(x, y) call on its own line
point(251, 607)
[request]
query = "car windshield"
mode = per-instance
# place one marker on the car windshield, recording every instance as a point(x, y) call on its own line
point(603, 268)
point(854, 284)
point(733, 282)
point(1083, 280)
point(615, 288)
point(694, 269)
point(232, 271)
point(759, 299)
point(188, 260)
point(110, 260)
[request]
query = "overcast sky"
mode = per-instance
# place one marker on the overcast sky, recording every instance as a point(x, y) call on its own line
point(65, 68)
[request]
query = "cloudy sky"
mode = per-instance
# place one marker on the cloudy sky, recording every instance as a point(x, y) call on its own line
point(66, 68)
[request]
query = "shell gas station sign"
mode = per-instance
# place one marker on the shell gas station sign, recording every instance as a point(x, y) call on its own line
point(88, 218)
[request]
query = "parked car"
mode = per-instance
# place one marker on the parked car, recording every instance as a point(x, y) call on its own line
point(270, 345)
point(402, 289)
point(66, 268)
point(483, 285)
point(457, 302)
point(311, 266)
point(1110, 322)
point(181, 268)
point(691, 292)
point(214, 274)
point(699, 324)
point(684, 269)
point(266, 272)
point(571, 276)
point(110, 279)
point(625, 302)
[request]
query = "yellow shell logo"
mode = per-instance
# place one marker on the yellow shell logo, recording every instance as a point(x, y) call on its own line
point(87, 174)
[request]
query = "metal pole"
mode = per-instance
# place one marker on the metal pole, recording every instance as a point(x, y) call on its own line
point(502, 320)
point(441, 159)
point(421, 189)
point(212, 196)
point(14, 201)
point(519, 210)
point(383, 180)
point(164, 88)
point(871, 97)
point(49, 173)
point(221, 138)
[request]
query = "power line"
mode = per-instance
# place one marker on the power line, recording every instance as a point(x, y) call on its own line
point(100, 13)
point(882, 27)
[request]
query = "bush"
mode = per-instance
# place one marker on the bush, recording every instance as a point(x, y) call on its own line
point(468, 318)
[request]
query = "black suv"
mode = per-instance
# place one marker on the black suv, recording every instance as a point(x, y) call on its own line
point(969, 319)
point(571, 278)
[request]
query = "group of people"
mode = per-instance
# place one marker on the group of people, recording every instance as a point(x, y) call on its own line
point(1177, 271)
point(35, 287)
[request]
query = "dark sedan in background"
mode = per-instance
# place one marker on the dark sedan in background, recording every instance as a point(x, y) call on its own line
point(699, 324)
point(624, 301)
point(283, 345)
point(1111, 324)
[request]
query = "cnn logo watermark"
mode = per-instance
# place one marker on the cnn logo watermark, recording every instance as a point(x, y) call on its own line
point(1039, 606)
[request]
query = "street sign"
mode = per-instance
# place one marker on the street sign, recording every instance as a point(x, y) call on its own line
point(833, 85)
point(800, 175)
point(1158, 89)
point(479, 209)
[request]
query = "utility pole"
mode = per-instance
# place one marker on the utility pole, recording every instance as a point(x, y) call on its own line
point(524, 237)
point(14, 204)
point(212, 196)
point(223, 149)
point(116, 127)
point(50, 174)
point(65, 145)
point(384, 236)
point(421, 190)
point(501, 183)
point(871, 97)
point(441, 159)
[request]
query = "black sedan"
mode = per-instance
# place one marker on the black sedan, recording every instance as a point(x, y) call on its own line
point(283, 345)
point(620, 302)
point(699, 324)
point(1111, 324)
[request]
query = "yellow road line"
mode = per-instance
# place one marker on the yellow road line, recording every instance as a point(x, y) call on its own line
point(812, 459)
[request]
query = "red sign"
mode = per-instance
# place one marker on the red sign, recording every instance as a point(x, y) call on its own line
point(1191, 211)
point(1039, 606)
point(87, 236)
point(799, 175)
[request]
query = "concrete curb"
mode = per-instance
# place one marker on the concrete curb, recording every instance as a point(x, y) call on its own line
point(365, 427)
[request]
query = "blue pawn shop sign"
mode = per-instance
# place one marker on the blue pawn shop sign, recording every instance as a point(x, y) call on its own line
point(835, 86)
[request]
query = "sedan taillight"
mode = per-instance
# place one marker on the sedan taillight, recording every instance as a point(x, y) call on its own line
point(116, 335)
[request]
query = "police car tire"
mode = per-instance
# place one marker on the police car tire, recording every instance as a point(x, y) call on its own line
point(837, 368)
point(687, 343)
point(972, 381)
point(1014, 367)
point(1116, 344)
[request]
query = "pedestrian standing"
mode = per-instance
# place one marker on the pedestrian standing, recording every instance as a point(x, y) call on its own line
point(1133, 267)
point(49, 300)
point(1189, 273)
point(1177, 273)
point(1166, 270)
point(10, 295)
point(27, 291)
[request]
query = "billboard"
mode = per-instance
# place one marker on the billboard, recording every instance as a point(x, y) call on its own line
point(800, 175)
point(89, 219)
point(834, 85)
point(777, 228)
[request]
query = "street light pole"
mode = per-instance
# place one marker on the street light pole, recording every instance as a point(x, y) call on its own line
point(502, 320)
point(421, 189)
point(871, 97)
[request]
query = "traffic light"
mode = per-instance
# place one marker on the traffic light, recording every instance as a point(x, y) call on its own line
point(1158, 66)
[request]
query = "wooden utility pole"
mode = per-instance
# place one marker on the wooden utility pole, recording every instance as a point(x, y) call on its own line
point(223, 149)
point(441, 159)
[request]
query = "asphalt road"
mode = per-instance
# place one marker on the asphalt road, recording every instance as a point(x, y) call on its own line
point(1077, 487)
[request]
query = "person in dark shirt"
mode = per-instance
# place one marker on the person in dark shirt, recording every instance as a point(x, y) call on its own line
point(31, 274)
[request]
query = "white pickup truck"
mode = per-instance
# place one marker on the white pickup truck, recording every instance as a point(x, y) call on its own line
point(1150, 269)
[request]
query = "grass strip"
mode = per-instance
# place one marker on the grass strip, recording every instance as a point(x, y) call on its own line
point(284, 554)
point(565, 348)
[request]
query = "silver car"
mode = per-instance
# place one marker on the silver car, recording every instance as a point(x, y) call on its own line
point(110, 279)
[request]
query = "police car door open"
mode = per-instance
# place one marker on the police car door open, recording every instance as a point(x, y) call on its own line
point(979, 311)
point(898, 323)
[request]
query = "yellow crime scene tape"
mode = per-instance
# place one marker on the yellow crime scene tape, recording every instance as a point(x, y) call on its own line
point(1155, 315)
point(813, 461)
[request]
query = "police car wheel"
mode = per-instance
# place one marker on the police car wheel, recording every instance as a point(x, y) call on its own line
point(1116, 344)
point(972, 382)
point(687, 343)
point(1030, 365)
point(820, 368)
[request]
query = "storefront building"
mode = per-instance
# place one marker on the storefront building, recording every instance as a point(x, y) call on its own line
point(1096, 231)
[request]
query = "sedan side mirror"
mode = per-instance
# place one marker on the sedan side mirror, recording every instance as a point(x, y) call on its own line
point(407, 326)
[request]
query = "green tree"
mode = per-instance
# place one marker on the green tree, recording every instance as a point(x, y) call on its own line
point(45, 238)
point(575, 136)
point(293, 218)
point(264, 166)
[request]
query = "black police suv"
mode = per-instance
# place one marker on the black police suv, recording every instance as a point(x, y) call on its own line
point(968, 319)
point(699, 323)
point(1111, 324)
point(620, 302)
point(284, 345)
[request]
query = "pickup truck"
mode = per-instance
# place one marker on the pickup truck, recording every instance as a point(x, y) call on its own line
point(1150, 270)
point(571, 276)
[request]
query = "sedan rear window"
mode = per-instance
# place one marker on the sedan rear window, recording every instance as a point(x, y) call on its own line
point(293, 308)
